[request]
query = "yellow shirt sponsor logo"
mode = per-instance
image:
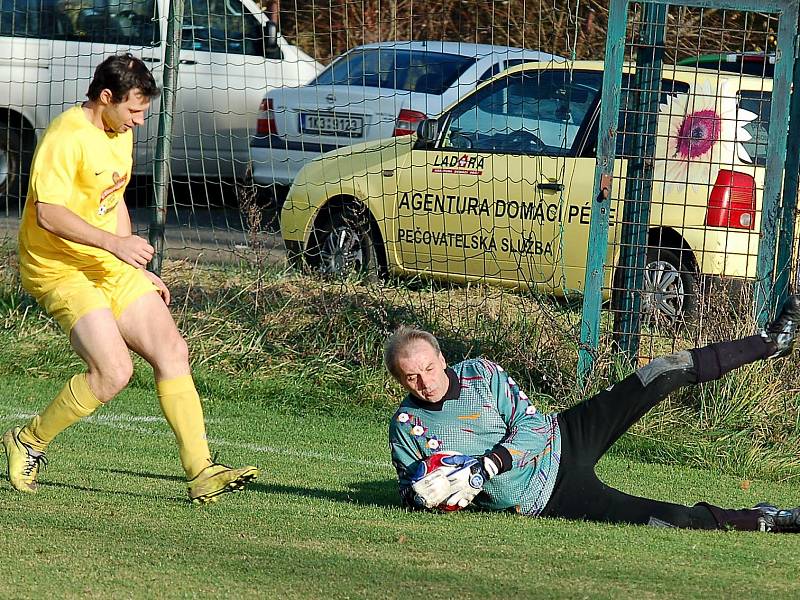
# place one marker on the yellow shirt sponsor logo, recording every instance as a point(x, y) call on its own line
point(119, 183)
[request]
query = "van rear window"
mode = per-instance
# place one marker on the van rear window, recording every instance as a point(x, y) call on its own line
point(760, 104)
point(408, 70)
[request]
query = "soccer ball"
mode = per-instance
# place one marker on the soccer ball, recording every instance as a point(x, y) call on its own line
point(436, 461)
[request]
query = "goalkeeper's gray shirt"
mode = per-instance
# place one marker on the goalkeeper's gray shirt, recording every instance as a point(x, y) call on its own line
point(482, 410)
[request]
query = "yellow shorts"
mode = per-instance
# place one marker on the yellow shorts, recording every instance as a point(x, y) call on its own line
point(76, 294)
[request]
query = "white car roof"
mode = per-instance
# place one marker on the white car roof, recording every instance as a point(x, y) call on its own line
point(459, 48)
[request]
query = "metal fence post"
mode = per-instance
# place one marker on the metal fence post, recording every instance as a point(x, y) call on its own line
point(163, 149)
point(646, 90)
point(767, 292)
point(604, 171)
point(786, 242)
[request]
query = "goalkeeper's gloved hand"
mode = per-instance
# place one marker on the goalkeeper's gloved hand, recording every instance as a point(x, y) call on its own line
point(431, 490)
point(467, 481)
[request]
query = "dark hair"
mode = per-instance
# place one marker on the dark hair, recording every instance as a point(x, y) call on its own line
point(120, 74)
point(399, 341)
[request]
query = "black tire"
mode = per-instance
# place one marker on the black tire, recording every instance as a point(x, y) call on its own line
point(343, 247)
point(671, 288)
point(14, 166)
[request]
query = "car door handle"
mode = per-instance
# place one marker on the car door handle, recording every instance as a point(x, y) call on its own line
point(150, 59)
point(186, 61)
point(551, 187)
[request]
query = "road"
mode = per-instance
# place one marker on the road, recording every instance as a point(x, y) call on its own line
point(208, 234)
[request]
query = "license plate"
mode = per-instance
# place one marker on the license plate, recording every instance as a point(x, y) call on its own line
point(332, 124)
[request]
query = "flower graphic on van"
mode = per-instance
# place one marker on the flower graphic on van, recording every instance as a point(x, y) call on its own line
point(699, 134)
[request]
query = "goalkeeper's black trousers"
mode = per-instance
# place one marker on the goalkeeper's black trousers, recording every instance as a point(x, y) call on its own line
point(589, 428)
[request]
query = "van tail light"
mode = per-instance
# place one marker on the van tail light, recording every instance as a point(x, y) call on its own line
point(733, 201)
point(407, 121)
point(266, 120)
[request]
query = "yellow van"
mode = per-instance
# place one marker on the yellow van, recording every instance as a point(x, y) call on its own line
point(498, 189)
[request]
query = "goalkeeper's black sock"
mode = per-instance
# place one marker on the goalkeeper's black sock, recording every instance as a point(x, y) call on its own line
point(741, 519)
point(713, 361)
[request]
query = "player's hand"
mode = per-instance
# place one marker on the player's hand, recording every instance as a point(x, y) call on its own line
point(467, 481)
point(132, 249)
point(431, 490)
point(162, 288)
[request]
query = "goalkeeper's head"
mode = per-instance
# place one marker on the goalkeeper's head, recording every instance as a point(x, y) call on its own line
point(414, 359)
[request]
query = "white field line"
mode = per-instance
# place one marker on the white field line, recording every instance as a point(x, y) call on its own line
point(125, 422)
point(105, 418)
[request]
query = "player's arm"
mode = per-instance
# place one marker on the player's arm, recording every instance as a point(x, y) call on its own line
point(403, 458)
point(53, 181)
point(125, 229)
point(526, 430)
point(62, 222)
point(415, 493)
point(523, 433)
point(404, 484)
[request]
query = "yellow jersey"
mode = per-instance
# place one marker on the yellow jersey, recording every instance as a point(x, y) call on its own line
point(81, 167)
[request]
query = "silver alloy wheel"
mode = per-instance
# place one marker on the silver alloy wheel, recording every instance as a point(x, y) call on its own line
point(341, 253)
point(664, 292)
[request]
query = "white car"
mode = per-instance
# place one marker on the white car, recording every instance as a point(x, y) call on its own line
point(231, 52)
point(371, 92)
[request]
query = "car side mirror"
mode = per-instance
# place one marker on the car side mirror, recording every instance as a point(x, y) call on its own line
point(427, 133)
point(270, 35)
point(271, 48)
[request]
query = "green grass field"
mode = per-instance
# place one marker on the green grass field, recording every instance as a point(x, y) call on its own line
point(112, 520)
point(308, 403)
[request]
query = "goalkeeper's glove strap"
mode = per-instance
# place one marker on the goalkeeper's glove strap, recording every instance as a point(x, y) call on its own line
point(497, 460)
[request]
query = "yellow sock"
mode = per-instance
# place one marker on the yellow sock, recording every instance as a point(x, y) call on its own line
point(75, 401)
point(181, 406)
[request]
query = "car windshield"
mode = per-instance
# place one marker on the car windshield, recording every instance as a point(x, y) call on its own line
point(408, 70)
point(530, 112)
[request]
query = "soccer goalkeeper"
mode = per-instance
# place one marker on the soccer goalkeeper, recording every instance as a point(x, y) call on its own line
point(80, 260)
point(516, 458)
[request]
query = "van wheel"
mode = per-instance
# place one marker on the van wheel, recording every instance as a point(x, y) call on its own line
point(670, 293)
point(343, 247)
point(671, 288)
point(13, 167)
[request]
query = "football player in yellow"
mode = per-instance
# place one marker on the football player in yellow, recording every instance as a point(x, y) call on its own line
point(79, 258)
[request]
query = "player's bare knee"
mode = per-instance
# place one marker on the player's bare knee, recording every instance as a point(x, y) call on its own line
point(111, 379)
point(174, 350)
point(180, 350)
